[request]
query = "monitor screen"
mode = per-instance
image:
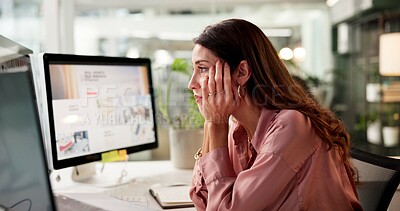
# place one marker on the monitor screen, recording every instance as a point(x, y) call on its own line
point(96, 105)
point(24, 182)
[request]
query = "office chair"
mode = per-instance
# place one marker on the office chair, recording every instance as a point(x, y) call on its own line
point(379, 177)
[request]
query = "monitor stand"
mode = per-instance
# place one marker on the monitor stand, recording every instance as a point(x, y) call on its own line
point(87, 174)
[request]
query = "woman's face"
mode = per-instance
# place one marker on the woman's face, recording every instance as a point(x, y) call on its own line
point(202, 60)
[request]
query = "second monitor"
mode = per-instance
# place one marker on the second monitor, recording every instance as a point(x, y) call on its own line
point(95, 105)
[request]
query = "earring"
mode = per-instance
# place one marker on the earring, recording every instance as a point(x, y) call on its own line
point(239, 91)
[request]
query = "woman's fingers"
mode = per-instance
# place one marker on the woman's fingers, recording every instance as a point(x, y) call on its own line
point(219, 68)
point(211, 81)
point(204, 88)
point(227, 82)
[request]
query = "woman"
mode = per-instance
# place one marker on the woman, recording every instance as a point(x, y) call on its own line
point(267, 144)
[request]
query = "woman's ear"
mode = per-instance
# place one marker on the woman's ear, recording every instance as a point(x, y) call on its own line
point(243, 72)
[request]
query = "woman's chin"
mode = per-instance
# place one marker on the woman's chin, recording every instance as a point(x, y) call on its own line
point(199, 106)
point(198, 101)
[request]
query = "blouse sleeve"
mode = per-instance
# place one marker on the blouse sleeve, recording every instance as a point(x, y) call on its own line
point(216, 187)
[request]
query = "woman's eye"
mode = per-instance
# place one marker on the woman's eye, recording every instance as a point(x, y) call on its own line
point(203, 69)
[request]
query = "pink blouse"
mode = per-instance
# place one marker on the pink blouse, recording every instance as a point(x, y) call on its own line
point(288, 168)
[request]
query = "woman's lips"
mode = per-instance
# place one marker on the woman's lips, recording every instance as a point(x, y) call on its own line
point(197, 98)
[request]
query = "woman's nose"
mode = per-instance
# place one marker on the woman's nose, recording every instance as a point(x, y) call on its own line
point(193, 83)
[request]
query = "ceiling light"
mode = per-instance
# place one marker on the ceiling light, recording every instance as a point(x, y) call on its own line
point(277, 32)
point(330, 3)
point(178, 36)
point(286, 53)
point(389, 63)
point(299, 53)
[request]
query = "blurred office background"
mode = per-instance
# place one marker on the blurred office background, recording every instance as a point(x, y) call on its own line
point(332, 44)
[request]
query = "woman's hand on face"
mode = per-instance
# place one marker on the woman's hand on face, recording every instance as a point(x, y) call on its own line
point(218, 98)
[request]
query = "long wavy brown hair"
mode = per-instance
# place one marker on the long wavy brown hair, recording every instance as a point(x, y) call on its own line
point(271, 85)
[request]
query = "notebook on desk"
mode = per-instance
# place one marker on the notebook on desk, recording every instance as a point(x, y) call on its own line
point(172, 196)
point(24, 180)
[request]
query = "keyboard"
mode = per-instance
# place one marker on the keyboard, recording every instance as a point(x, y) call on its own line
point(64, 203)
point(133, 192)
point(95, 202)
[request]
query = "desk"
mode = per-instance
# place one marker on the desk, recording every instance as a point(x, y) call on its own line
point(141, 175)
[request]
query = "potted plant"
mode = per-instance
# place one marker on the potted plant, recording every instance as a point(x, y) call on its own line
point(391, 126)
point(182, 116)
point(370, 124)
point(192, 117)
point(373, 128)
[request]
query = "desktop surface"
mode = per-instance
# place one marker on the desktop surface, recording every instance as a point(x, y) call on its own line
point(141, 175)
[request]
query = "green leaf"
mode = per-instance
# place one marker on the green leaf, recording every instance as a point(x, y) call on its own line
point(180, 65)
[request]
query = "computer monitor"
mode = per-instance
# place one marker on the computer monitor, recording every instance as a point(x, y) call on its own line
point(24, 182)
point(96, 105)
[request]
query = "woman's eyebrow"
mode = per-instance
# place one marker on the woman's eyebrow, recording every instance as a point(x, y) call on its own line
point(202, 60)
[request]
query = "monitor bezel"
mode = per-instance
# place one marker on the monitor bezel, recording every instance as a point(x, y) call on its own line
point(55, 58)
